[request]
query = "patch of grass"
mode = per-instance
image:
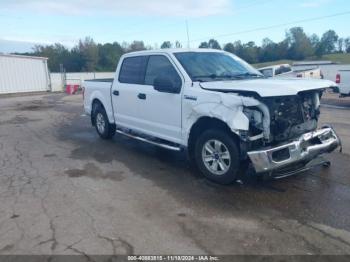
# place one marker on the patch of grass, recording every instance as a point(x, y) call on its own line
point(338, 58)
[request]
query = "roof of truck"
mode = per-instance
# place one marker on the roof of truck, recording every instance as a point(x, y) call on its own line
point(174, 50)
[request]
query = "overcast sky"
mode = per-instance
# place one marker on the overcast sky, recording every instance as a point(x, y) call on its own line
point(26, 22)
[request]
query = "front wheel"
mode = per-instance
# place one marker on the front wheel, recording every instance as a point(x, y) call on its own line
point(217, 156)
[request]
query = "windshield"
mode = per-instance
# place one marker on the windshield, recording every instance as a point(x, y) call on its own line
point(214, 66)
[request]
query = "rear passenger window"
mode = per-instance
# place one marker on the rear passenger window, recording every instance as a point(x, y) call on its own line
point(160, 66)
point(133, 70)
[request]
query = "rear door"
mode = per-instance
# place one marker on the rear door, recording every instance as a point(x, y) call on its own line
point(125, 91)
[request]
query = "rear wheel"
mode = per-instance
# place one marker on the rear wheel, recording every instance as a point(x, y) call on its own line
point(102, 125)
point(217, 156)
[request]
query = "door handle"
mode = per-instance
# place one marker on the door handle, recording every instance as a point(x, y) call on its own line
point(116, 92)
point(141, 96)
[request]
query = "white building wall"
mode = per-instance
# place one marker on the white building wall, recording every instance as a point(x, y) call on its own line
point(57, 81)
point(23, 74)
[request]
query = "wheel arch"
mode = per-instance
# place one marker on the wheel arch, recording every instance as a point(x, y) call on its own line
point(95, 102)
point(205, 123)
point(103, 98)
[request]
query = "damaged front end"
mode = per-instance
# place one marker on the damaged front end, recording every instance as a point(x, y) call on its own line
point(300, 151)
point(283, 132)
point(287, 117)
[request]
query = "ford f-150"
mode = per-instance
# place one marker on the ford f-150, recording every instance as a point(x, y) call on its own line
point(214, 105)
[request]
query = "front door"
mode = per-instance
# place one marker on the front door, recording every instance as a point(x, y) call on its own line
point(160, 112)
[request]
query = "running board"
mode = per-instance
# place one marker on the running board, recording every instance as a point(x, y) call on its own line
point(169, 147)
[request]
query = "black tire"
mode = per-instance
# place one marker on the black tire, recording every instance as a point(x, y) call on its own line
point(210, 138)
point(101, 122)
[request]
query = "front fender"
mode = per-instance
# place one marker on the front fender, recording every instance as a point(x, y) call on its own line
point(233, 116)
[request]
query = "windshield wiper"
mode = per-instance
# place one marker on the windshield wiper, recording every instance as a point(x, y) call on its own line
point(247, 74)
point(212, 76)
point(200, 78)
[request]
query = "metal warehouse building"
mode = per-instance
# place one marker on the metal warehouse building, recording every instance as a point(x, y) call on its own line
point(23, 74)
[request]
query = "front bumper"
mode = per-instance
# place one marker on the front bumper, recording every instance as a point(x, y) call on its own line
point(302, 150)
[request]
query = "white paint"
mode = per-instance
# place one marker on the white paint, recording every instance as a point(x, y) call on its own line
point(344, 85)
point(20, 74)
point(171, 116)
point(271, 86)
point(100, 91)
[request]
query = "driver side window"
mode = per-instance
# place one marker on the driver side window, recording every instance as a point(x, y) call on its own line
point(160, 66)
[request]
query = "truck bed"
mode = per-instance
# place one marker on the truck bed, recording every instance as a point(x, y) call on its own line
point(103, 87)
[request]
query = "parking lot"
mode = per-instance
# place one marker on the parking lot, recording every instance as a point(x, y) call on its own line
point(65, 191)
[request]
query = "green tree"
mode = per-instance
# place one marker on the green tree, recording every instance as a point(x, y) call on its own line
point(203, 45)
point(136, 46)
point(57, 54)
point(229, 47)
point(300, 45)
point(347, 44)
point(166, 44)
point(214, 44)
point(109, 55)
point(282, 49)
point(239, 49)
point(268, 51)
point(315, 41)
point(250, 52)
point(327, 43)
point(88, 56)
point(340, 45)
point(88, 51)
point(75, 61)
point(178, 44)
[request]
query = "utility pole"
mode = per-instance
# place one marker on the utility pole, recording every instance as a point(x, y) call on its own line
point(188, 35)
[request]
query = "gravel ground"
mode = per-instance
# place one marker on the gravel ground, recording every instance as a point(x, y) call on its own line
point(65, 191)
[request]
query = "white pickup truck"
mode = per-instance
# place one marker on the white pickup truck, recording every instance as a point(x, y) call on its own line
point(343, 81)
point(214, 105)
point(285, 70)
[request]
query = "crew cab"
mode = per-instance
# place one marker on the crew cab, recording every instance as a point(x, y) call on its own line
point(214, 105)
point(343, 81)
point(285, 70)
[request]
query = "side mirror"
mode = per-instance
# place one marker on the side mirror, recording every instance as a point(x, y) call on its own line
point(164, 84)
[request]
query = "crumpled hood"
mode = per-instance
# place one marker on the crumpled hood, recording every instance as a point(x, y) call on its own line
point(270, 86)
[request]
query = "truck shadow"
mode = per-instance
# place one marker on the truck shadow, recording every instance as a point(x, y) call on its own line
point(317, 194)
